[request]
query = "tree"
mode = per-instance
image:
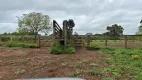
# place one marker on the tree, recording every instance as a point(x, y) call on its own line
point(115, 31)
point(139, 29)
point(34, 23)
point(88, 34)
point(71, 25)
point(76, 34)
point(141, 22)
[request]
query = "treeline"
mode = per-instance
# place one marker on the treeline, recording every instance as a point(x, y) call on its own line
point(18, 33)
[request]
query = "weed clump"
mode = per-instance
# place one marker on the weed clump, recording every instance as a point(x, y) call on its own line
point(57, 48)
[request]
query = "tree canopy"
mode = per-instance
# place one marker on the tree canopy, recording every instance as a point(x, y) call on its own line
point(115, 31)
point(89, 34)
point(34, 23)
point(139, 32)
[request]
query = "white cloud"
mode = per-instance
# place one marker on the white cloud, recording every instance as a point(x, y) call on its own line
point(89, 15)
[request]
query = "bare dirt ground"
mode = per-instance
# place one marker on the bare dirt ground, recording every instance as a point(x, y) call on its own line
point(38, 63)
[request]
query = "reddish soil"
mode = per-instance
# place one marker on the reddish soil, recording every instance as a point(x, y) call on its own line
point(38, 63)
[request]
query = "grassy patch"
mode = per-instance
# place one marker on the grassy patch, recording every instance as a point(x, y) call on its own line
point(75, 74)
point(23, 45)
point(124, 63)
point(57, 48)
point(95, 71)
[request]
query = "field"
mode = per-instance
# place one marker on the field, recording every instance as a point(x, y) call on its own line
point(18, 63)
point(105, 64)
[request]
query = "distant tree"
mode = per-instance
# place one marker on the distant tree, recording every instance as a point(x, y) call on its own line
point(115, 31)
point(139, 32)
point(98, 34)
point(106, 33)
point(34, 23)
point(5, 33)
point(71, 24)
point(76, 34)
point(141, 22)
point(88, 34)
point(15, 33)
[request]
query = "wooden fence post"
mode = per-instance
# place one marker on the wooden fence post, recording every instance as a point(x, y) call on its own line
point(126, 41)
point(106, 40)
point(65, 32)
point(88, 40)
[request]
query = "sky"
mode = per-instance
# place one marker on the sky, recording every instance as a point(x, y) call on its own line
point(90, 16)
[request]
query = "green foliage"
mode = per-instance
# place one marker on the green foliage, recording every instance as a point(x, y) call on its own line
point(75, 74)
point(33, 23)
point(57, 48)
point(139, 32)
point(114, 31)
point(5, 38)
point(89, 34)
point(94, 72)
point(122, 62)
point(93, 46)
point(107, 79)
point(23, 45)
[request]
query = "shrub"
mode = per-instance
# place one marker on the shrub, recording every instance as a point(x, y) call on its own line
point(93, 47)
point(57, 48)
point(69, 50)
point(5, 38)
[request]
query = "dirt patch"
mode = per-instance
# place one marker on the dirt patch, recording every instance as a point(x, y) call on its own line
point(38, 63)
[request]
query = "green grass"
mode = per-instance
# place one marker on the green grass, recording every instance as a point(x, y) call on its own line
point(22, 45)
point(102, 41)
point(123, 63)
point(57, 48)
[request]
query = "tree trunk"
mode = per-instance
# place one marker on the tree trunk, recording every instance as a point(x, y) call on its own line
point(35, 36)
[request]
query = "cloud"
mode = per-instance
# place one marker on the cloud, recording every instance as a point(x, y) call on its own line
point(89, 15)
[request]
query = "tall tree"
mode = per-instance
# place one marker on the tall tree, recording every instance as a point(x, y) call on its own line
point(115, 31)
point(34, 23)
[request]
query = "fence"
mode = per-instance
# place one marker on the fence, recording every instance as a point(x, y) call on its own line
point(127, 41)
point(29, 39)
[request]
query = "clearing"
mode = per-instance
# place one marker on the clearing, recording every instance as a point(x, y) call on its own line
point(20, 63)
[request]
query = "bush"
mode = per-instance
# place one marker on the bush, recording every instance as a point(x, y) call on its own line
point(57, 48)
point(93, 47)
point(5, 38)
point(23, 45)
